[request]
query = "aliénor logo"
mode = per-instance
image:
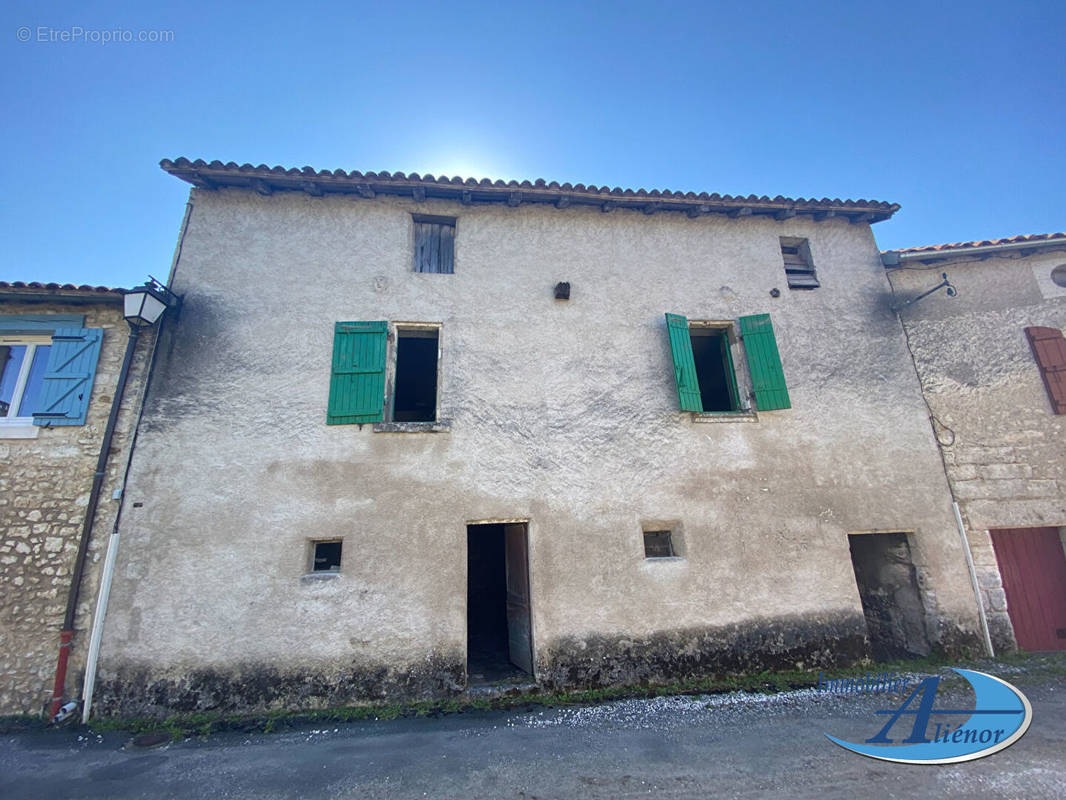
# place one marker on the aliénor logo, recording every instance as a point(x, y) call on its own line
point(1000, 716)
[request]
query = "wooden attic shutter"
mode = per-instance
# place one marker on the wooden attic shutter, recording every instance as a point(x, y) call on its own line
point(688, 385)
point(764, 363)
point(1049, 350)
point(799, 271)
point(357, 385)
point(435, 245)
point(68, 377)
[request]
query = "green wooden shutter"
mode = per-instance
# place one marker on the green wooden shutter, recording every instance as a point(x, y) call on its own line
point(68, 378)
point(764, 362)
point(357, 386)
point(688, 386)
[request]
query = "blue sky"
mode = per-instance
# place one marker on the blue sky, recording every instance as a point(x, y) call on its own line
point(957, 111)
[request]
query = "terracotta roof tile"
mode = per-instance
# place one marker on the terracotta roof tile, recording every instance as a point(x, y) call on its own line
point(1035, 238)
point(53, 287)
point(216, 174)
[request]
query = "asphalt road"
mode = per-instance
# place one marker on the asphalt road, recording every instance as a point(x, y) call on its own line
point(698, 747)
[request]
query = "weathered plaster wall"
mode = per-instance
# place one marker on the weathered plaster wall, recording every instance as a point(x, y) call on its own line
point(1005, 450)
point(562, 413)
point(44, 492)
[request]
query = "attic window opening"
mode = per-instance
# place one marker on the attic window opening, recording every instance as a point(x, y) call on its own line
point(326, 556)
point(799, 266)
point(415, 399)
point(434, 244)
point(1058, 275)
point(658, 544)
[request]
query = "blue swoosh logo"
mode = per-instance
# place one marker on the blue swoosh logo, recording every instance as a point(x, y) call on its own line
point(997, 705)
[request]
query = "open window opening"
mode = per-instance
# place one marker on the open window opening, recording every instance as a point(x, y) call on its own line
point(22, 369)
point(714, 369)
point(499, 641)
point(326, 556)
point(415, 398)
point(707, 382)
point(891, 602)
point(799, 267)
point(658, 544)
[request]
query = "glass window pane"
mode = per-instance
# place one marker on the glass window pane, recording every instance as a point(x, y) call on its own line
point(32, 393)
point(10, 362)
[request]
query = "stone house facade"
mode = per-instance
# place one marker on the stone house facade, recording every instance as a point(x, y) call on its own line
point(992, 363)
point(61, 348)
point(414, 433)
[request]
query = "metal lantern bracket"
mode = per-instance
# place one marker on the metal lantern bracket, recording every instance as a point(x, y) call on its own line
point(944, 284)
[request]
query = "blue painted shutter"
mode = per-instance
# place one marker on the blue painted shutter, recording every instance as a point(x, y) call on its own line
point(357, 385)
point(688, 385)
point(764, 362)
point(68, 378)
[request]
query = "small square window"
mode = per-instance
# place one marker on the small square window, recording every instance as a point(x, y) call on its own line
point(326, 556)
point(434, 244)
point(658, 544)
point(799, 267)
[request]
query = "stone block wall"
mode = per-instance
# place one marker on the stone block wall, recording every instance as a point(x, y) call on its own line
point(1003, 446)
point(44, 492)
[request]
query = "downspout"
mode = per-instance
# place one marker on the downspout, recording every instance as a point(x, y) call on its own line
point(67, 634)
point(973, 580)
point(104, 591)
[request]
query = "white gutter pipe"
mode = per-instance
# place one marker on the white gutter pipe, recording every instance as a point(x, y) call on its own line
point(973, 579)
point(98, 626)
point(961, 252)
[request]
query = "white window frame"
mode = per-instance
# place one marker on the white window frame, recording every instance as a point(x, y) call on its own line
point(12, 427)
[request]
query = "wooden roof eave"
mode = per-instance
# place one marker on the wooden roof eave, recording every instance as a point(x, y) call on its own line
point(319, 185)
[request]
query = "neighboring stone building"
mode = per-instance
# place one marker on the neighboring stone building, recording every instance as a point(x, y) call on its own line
point(992, 362)
point(61, 348)
point(414, 432)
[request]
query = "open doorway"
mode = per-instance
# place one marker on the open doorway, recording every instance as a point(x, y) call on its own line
point(888, 588)
point(499, 641)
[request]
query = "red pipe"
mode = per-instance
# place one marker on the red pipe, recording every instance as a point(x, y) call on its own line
point(61, 671)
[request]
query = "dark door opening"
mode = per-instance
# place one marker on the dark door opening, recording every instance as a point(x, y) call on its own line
point(497, 601)
point(1033, 568)
point(416, 376)
point(888, 588)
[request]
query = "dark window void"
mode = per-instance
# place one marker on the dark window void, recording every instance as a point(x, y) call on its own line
point(415, 399)
point(714, 369)
point(888, 588)
point(486, 602)
point(327, 557)
point(658, 544)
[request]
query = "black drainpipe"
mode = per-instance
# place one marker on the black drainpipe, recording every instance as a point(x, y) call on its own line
point(67, 634)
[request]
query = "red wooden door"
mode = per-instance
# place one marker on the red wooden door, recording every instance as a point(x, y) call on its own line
point(1033, 567)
